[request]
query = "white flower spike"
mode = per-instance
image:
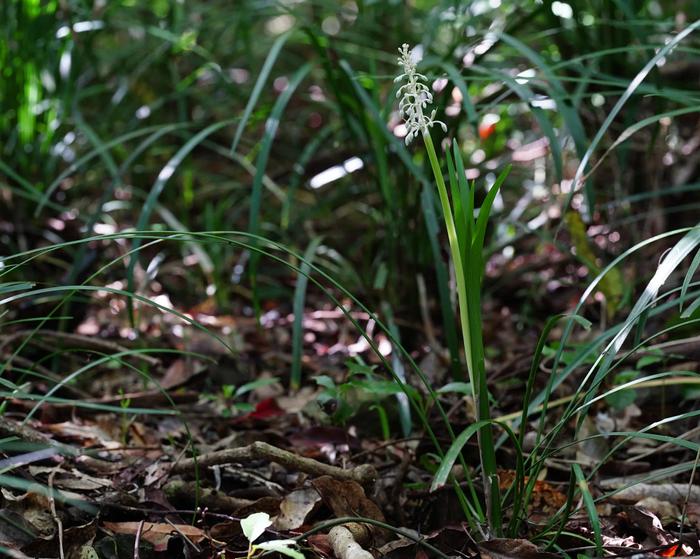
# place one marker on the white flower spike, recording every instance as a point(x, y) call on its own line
point(414, 98)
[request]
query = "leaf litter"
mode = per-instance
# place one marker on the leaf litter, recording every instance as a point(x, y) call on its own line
point(125, 481)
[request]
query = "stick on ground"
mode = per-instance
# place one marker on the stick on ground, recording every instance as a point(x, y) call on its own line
point(363, 474)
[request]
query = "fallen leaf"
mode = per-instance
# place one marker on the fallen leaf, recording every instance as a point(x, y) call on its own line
point(34, 508)
point(346, 498)
point(319, 544)
point(75, 539)
point(651, 525)
point(544, 497)
point(157, 534)
point(512, 549)
point(393, 545)
point(15, 530)
point(295, 507)
point(662, 509)
point(179, 373)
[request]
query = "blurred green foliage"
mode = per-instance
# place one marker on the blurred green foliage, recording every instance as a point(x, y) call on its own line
point(127, 110)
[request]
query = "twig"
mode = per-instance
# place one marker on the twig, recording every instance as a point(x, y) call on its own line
point(344, 544)
point(354, 520)
point(665, 446)
point(184, 491)
point(9, 428)
point(668, 381)
point(363, 474)
point(59, 524)
point(672, 492)
point(137, 541)
point(184, 536)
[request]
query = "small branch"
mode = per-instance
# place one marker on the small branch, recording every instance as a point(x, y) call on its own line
point(179, 491)
point(9, 428)
point(137, 540)
point(364, 474)
point(57, 520)
point(344, 544)
point(183, 536)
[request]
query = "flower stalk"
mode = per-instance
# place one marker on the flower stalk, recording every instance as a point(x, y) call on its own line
point(466, 237)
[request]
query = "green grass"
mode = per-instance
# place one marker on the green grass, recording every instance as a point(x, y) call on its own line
point(193, 130)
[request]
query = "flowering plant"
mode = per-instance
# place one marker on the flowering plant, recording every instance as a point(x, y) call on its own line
point(414, 96)
point(466, 237)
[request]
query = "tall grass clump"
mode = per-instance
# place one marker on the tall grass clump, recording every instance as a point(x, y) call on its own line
point(181, 117)
point(465, 234)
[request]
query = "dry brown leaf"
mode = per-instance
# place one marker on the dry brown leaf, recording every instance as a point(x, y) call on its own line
point(157, 534)
point(295, 507)
point(512, 549)
point(544, 498)
point(346, 498)
point(320, 544)
point(87, 434)
point(663, 509)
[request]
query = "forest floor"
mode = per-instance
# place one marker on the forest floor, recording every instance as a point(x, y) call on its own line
point(115, 476)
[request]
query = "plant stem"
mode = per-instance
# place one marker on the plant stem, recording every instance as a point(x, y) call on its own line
point(473, 355)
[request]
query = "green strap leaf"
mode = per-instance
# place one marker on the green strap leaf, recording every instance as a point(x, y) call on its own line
point(257, 88)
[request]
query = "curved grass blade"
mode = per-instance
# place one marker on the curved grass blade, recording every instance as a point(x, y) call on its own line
point(527, 96)
point(298, 309)
point(259, 84)
point(671, 261)
point(636, 127)
point(271, 126)
point(589, 505)
point(226, 237)
point(686, 281)
point(24, 183)
point(402, 399)
point(460, 84)
point(155, 192)
point(448, 461)
point(95, 152)
point(629, 91)
point(534, 368)
point(556, 90)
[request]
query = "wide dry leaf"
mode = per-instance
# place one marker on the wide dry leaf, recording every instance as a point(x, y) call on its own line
point(295, 507)
point(346, 498)
point(157, 534)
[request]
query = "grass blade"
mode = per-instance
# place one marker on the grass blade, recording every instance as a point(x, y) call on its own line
point(258, 87)
point(298, 310)
point(453, 453)
point(256, 195)
point(589, 504)
point(629, 91)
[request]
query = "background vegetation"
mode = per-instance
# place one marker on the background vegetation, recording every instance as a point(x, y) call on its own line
point(239, 168)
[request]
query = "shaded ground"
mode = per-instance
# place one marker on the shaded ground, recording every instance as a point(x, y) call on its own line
point(116, 482)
